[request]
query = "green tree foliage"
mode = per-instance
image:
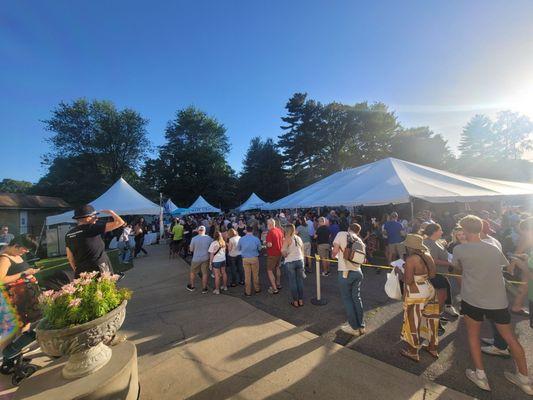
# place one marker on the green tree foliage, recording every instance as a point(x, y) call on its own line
point(506, 138)
point(192, 162)
point(13, 186)
point(321, 139)
point(263, 171)
point(92, 145)
point(420, 145)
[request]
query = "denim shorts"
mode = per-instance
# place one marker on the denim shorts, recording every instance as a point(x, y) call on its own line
point(218, 265)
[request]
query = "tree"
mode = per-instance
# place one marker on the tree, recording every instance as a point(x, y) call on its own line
point(13, 186)
point(508, 137)
point(117, 139)
point(92, 145)
point(322, 139)
point(193, 162)
point(263, 171)
point(477, 138)
point(420, 145)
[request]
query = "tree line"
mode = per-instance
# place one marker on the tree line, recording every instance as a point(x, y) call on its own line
point(93, 144)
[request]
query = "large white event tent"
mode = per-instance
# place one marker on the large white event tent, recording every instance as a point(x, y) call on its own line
point(200, 206)
point(254, 202)
point(121, 198)
point(393, 181)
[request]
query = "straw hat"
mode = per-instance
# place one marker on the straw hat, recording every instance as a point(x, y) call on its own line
point(415, 242)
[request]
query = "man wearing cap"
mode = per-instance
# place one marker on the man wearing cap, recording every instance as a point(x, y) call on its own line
point(199, 248)
point(85, 247)
point(5, 236)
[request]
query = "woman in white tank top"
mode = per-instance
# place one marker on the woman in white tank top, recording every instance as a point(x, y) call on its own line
point(292, 250)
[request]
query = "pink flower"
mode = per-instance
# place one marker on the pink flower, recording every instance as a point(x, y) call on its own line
point(74, 302)
point(69, 289)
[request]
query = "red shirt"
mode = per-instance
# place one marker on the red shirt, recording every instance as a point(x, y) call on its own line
point(274, 236)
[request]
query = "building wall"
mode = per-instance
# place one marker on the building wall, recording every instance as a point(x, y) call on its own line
point(35, 222)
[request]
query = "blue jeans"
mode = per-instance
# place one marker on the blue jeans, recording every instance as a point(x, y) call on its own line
point(125, 253)
point(351, 297)
point(236, 271)
point(296, 279)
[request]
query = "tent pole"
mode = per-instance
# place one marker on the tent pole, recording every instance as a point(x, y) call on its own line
point(161, 225)
point(412, 202)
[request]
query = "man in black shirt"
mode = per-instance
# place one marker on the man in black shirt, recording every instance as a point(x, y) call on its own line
point(323, 244)
point(85, 247)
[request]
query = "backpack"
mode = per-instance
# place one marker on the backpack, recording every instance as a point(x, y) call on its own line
point(355, 251)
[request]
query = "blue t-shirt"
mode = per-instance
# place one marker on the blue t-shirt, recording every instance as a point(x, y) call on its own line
point(200, 247)
point(249, 246)
point(393, 229)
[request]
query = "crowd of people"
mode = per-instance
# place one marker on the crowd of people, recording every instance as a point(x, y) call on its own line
point(442, 261)
point(476, 250)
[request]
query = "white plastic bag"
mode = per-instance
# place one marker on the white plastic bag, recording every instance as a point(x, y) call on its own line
point(392, 286)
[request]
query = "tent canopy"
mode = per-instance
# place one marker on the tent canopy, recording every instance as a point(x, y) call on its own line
point(254, 202)
point(121, 198)
point(201, 206)
point(169, 206)
point(393, 181)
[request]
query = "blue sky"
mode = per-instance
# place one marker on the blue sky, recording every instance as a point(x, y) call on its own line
point(436, 63)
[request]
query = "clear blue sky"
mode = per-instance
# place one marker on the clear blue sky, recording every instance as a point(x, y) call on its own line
point(436, 63)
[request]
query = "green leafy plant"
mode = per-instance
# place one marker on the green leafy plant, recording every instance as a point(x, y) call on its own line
point(89, 297)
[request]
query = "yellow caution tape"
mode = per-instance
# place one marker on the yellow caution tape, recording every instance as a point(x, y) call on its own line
point(389, 267)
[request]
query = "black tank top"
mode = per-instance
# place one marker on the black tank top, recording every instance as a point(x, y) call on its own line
point(16, 268)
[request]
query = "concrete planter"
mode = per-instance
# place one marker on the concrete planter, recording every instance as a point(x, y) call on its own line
point(85, 344)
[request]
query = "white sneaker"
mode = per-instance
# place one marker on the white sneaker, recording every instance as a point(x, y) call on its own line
point(482, 383)
point(450, 310)
point(348, 329)
point(494, 351)
point(488, 341)
point(525, 384)
point(216, 291)
point(224, 288)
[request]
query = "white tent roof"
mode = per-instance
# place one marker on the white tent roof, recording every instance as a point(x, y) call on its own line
point(170, 206)
point(395, 181)
point(121, 198)
point(254, 202)
point(201, 206)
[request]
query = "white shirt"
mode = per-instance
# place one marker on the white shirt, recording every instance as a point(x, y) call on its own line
point(125, 235)
point(220, 254)
point(295, 250)
point(234, 241)
point(342, 241)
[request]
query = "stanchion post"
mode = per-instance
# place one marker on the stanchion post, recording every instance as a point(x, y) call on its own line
point(318, 301)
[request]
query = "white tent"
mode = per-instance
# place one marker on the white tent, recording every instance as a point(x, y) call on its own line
point(121, 198)
point(254, 202)
point(393, 181)
point(201, 206)
point(169, 206)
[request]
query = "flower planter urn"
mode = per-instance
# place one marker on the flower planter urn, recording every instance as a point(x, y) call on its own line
point(85, 344)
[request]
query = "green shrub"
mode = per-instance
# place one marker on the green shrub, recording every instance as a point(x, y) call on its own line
point(85, 299)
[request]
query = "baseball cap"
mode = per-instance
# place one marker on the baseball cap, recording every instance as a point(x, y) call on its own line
point(84, 211)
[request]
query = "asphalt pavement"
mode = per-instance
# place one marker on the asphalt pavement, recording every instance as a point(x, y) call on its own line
point(382, 342)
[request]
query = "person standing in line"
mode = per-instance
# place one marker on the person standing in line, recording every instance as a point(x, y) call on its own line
point(274, 241)
point(322, 244)
point(394, 231)
point(249, 246)
point(199, 248)
point(292, 250)
point(350, 277)
point(85, 247)
point(420, 305)
point(235, 259)
point(303, 233)
point(217, 262)
point(484, 296)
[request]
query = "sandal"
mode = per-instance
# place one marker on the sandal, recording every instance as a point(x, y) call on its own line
point(294, 304)
point(300, 303)
point(409, 355)
point(432, 353)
